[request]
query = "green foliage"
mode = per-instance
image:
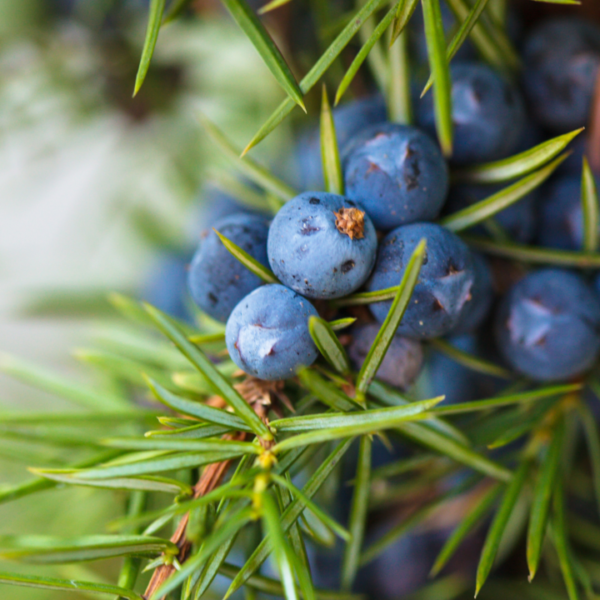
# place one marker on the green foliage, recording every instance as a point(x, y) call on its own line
point(330, 155)
point(517, 166)
point(461, 35)
point(48, 550)
point(390, 325)
point(67, 585)
point(484, 209)
point(404, 12)
point(542, 497)
point(206, 368)
point(561, 544)
point(570, 2)
point(248, 167)
point(227, 462)
point(489, 38)
point(329, 345)
point(398, 88)
point(258, 35)
point(248, 261)
point(475, 363)
point(536, 254)
point(440, 69)
point(589, 201)
point(494, 536)
point(318, 70)
point(366, 49)
point(358, 513)
point(458, 535)
point(157, 8)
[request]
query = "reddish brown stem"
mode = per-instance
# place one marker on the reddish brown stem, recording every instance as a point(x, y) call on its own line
point(259, 394)
point(593, 142)
point(210, 479)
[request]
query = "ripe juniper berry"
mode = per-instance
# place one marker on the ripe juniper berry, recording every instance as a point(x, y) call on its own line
point(561, 214)
point(561, 57)
point(217, 280)
point(349, 119)
point(402, 362)
point(322, 245)
point(548, 325)
point(267, 333)
point(487, 111)
point(445, 283)
point(482, 295)
point(397, 173)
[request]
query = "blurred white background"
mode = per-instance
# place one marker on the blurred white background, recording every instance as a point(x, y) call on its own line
point(77, 167)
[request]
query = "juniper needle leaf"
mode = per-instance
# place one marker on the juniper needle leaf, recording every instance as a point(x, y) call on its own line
point(155, 16)
point(330, 154)
point(494, 535)
point(589, 201)
point(542, 496)
point(67, 585)
point(518, 165)
point(440, 69)
point(329, 345)
point(266, 47)
point(317, 71)
point(480, 211)
point(208, 370)
point(390, 325)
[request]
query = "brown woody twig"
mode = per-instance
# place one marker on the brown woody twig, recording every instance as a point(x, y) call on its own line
point(260, 395)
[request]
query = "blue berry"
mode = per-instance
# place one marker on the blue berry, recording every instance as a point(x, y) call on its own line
point(445, 283)
point(596, 283)
point(267, 333)
point(548, 325)
point(518, 220)
point(561, 214)
point(402, 363)
point(397, 173)
point(562, 57)
point(445, 377)
point(349, 119)
point(531, 136)
point(166, 288)
point(322, 245)
point(217, 280)
point(482, 295)
point(487, 111)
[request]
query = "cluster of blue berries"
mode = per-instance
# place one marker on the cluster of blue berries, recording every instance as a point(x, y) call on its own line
point(322, 247)
point(534, 324)
point(525, 324)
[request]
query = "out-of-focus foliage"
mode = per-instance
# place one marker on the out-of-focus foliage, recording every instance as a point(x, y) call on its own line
point(84, 171)
point(164, 395)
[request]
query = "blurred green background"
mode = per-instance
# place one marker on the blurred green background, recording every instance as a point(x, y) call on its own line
point(94, 185)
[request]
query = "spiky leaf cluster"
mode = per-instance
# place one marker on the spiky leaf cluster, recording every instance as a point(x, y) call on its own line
point(211, 460)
